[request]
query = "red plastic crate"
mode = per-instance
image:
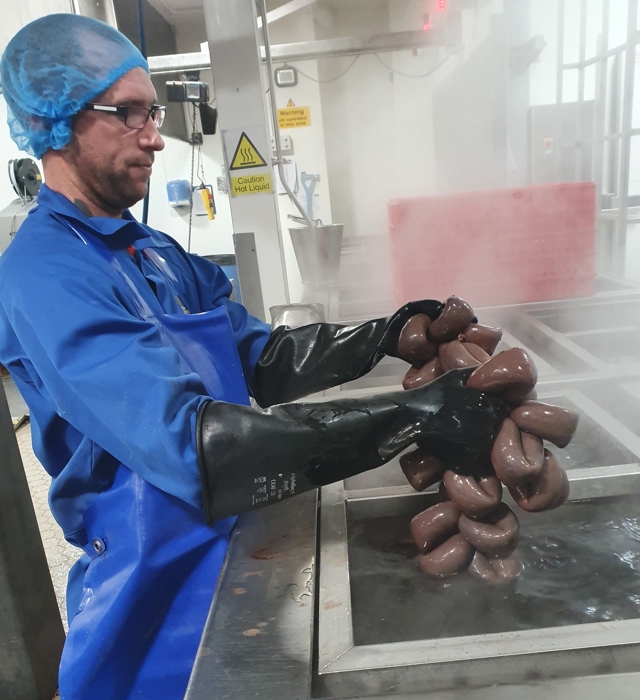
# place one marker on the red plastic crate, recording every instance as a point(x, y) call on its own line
point(499, 247)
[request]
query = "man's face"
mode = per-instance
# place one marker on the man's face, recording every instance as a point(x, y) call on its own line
point(113, 162)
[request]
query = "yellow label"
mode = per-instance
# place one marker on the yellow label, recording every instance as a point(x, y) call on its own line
point(251, 184)
point(293, 117)
point(291, 103)
point(246, 155)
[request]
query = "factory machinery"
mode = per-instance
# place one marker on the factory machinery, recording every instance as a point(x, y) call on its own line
point(321, 597)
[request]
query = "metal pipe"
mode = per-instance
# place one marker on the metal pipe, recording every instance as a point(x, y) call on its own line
point(625, 143)
point(311, 50)
point(274, 115)
point(179, 62)
point(557, 132)
point(284, 10)
point(600, 138)
point(560, 68)
point(614, 125)
point(581, 76)
point(600, 56)
point(601, 143)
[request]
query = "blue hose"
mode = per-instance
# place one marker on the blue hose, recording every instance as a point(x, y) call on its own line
point(308, 182)
point(143, 51)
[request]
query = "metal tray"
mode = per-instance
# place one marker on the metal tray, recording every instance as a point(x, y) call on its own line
point(370, 616)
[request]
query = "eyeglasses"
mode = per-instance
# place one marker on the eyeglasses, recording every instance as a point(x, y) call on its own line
point(135, 116)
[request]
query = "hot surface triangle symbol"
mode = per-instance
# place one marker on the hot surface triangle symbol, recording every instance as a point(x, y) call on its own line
point(246, 155)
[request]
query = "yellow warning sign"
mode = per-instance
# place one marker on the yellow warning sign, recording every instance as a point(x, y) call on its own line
point(291, 103)
point(293, 117)
point(251, 184)
point(246, 155)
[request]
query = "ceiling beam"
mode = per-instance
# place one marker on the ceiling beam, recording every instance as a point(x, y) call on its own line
point(284, 10)
point(307, 50)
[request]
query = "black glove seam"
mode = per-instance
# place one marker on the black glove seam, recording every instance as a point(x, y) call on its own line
point(201, 459)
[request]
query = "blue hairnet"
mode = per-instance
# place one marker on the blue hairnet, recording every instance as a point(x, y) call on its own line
point(51, 68)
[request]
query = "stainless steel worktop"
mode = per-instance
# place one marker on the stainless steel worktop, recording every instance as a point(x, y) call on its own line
point(291, 615)
point(258, 638)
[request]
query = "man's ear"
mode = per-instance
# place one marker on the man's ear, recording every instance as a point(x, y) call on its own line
point(70, 150)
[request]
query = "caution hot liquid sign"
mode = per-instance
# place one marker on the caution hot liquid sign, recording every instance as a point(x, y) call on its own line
point(251, 184)
point(246, 150)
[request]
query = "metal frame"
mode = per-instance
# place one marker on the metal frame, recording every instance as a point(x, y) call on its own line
point(308, 50)
point(31, 632)
point(614, 137)
point(236, 71)
point(523, 327)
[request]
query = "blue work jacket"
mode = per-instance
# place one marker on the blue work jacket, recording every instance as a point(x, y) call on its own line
point(101, 387)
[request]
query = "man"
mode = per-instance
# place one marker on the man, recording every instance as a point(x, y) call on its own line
point(140, 412)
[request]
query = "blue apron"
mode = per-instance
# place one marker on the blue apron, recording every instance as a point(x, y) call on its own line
point(152, 562)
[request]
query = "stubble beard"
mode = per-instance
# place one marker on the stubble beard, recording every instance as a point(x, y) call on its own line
point(113, 190)
point(117, 189)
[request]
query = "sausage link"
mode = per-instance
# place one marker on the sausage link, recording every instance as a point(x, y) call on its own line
point(448, 559)
point(516, 457)
point(413, 344)
point(496, 534)
point(495, 570)
point(476, 351)
point(549, 490)
point(419, 376)
point(553, 423)
point(475, 497)
point(434, 525)
point(421, 469)
point(455, 317)
point(510, 374)
point(484, 336)
point(457, 355)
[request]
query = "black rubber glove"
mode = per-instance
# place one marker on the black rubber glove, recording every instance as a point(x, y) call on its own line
point(297, 362)
point(250, 459)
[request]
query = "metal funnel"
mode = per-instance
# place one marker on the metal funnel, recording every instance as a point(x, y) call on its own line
point(317, 250)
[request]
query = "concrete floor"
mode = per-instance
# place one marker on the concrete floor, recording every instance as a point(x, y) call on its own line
point(60, 554)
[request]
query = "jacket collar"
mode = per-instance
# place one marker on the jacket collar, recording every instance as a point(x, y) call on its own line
point(104, 225)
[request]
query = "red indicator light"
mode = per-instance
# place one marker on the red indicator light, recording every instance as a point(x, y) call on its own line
point(426, 23)
point(442, 5)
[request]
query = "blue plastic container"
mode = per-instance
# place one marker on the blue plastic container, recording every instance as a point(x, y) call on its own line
point(179, 193)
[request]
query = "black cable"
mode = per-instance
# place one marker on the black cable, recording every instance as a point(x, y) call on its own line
point(315, 80)
point(143, 34)
point(193, 161)
point(408, 75)
point(200, 168)
point(143, 51)
point(145, 204)
point(393, 70)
